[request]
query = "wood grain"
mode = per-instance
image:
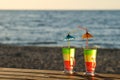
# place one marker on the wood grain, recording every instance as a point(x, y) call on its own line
point(34, 74)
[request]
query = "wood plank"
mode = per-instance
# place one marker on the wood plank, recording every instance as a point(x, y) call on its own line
point(32, 74)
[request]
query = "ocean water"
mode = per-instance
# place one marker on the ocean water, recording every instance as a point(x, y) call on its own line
point(49, 28)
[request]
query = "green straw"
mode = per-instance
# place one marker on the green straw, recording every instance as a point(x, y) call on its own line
point(68, 44)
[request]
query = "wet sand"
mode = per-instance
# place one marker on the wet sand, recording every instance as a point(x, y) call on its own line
point(50, 58)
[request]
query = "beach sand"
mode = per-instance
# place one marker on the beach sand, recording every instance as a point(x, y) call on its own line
point(50, 58)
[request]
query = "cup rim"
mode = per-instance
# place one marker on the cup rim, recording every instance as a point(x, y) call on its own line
point(90, 48)
point(68, 47)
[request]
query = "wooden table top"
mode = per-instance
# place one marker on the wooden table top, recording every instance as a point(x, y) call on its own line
point(33, 74)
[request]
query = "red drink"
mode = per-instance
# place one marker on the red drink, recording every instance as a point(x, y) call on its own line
point(90, 66)
point(68, 65)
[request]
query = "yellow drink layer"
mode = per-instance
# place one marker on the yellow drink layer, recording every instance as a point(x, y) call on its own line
point(66, 57)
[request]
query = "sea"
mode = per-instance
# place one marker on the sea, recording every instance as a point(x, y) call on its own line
point(50, 27)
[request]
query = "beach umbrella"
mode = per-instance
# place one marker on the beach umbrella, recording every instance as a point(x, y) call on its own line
point(86, 35)
point(68, 38)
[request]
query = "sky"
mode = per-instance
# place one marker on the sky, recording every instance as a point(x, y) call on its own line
point(60, 4)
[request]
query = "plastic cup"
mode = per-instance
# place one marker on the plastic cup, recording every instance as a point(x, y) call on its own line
point(69, 59)
point(90, 61)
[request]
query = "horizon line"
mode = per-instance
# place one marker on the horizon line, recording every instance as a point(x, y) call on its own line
point(64, 9)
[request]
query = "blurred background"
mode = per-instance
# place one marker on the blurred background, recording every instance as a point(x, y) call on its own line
point(49, 27)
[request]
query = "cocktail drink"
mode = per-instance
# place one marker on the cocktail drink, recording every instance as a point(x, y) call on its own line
point(89, 54)
point(69, 59)
point(69, 55)
point(90, 61)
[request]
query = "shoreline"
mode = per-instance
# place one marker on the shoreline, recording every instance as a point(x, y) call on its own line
point(50, 58)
